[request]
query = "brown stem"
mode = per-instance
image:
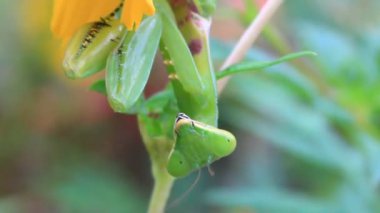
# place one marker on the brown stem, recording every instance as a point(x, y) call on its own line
point(249, 37)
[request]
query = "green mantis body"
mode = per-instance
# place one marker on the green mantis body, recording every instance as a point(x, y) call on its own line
point(197, 145)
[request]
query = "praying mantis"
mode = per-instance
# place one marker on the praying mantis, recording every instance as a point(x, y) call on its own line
point(197, 145)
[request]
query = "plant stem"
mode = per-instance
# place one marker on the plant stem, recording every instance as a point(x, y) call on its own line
point(163, 183)
point(158, 146)
point(249, 37)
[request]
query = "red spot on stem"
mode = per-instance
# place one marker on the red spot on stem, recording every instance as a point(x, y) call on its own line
point(195, 46)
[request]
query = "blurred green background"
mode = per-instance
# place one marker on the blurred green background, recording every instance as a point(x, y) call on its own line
point(308, 131)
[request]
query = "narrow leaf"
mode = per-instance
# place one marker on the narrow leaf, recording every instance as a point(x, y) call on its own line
point(181, 58)
point(207, 7)
point(264, 200)
point(157, 102)
point(99, 86)
point(259, 65)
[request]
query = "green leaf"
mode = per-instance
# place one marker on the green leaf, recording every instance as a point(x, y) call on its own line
point(85, 182)
point(181, 58)
point(129, 66)
point(199, 103)
point(207, 7)
point(259, 65)
point(158, 101)
point(156, 120)
point(99, 86)
point(268, 110)
point(264, 200)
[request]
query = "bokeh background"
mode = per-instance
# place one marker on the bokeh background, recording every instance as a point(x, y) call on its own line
point(308, 131)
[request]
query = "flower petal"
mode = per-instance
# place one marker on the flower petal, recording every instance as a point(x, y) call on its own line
point(69, 15)
point(134, 10)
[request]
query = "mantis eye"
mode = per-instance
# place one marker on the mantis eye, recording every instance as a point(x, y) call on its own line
point(181, 116)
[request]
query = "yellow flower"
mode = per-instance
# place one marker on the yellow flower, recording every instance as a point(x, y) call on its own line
point(69, 15)
point(133, 11)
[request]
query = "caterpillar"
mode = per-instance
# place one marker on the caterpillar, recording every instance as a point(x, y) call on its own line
point(96, 27)
point(90, 46)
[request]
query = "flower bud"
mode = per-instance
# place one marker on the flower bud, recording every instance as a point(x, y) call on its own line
point(129, 66)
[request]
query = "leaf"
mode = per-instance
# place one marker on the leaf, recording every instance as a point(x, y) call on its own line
point(259, 65)
point(85, 182)
point(99, 86)
point(207, 7)
point(158, 101)
point(264, 200)
point(371, 150)
point(156, 121)
point(129, 66)
point(269, 111)
point(181, 58)
point(197, 101)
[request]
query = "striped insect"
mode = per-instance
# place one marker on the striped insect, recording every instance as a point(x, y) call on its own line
point(197, 145)
point(90, 46)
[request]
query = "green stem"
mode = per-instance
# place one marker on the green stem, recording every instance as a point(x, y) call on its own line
point(163, 183)
point(158, 144)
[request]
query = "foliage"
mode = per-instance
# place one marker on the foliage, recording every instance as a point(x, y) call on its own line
point(317, 130)
point(307, 130)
